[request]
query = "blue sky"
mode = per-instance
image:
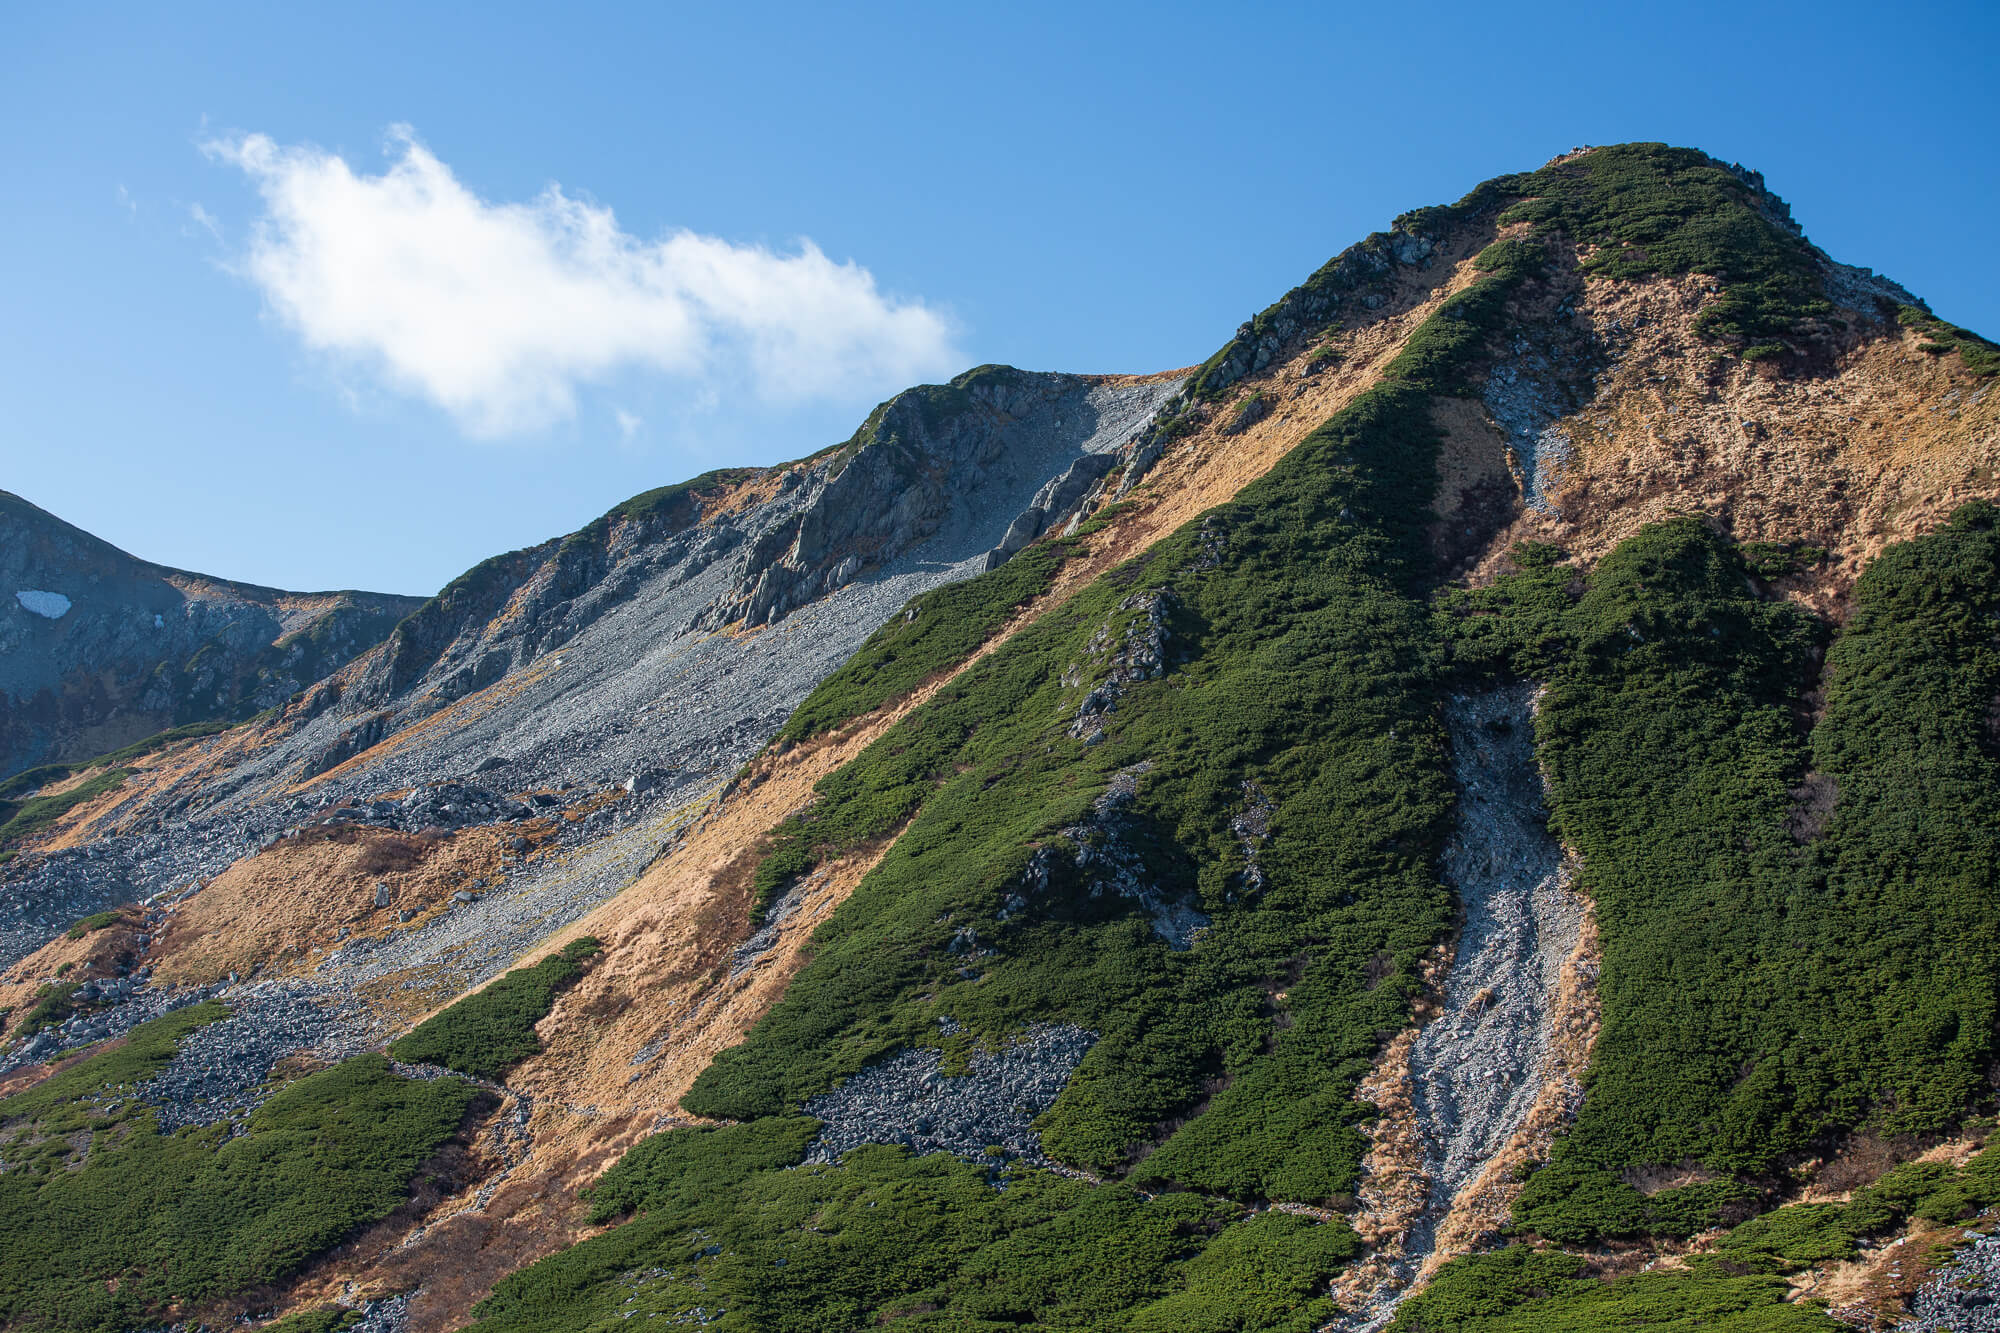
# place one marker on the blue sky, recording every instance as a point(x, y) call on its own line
point(253, 327)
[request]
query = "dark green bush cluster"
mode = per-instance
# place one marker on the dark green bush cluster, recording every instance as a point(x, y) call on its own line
point(493, 1029)
point(1980, 356)
point(1807, 1235)
point(1777, 560)
point(110, 1222)
point(54, 1002)
point(1524, 1290)
point(1737, 1281)
point(95, 921)
point(927, 1242)
point(1800, 932)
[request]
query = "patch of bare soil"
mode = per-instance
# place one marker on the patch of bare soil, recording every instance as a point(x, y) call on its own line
point(1880, 447)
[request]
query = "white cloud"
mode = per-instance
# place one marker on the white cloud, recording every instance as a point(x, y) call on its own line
point(498, 311)
point(205, 220)
point(628, 424)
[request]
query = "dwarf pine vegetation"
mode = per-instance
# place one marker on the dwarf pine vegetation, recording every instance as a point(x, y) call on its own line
point(111, 1222)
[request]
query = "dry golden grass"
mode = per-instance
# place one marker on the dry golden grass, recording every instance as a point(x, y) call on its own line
point(1877, 451)
point(281, 910)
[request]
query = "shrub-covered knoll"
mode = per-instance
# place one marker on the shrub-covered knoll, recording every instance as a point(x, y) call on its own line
point(1808, 1235)
point(922, 1242)
point(493, 1029)
point(1634, 210)
point(95, 921)
point(1980, 356)
point(1650, 209)
point(110, 1222)
point(1774, 972)
point(1671, 745)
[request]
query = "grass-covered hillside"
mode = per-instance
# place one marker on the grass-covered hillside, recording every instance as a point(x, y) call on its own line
point(114, 1224)
point(1240, 728)
point(1164, 872)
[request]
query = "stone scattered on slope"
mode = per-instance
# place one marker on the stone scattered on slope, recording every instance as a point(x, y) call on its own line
point(1963, 1296)
point(222, 1069)
point(908, 1099)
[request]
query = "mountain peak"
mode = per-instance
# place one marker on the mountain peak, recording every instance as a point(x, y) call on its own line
point(1471, 808)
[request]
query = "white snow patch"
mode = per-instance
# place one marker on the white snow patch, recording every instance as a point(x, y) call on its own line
point(51, 604)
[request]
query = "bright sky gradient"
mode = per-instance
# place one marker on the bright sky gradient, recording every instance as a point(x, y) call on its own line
point(355, 298)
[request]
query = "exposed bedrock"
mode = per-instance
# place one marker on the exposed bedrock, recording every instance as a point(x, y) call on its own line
point(606, 641)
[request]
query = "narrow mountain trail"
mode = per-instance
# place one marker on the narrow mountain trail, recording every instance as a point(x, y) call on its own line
point(1467, 1086)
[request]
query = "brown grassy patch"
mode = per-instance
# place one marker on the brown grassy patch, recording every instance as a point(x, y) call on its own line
point(1878, 449)
point(278, 910)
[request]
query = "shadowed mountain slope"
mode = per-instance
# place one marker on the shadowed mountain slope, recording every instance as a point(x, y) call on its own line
point(99, 649)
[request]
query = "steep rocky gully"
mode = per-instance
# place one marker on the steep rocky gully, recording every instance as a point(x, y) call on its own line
point(1464, 1088)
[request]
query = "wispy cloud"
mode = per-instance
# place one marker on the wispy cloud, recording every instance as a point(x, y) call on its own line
point(497, 312)
point(205, 220)
point(628, 425)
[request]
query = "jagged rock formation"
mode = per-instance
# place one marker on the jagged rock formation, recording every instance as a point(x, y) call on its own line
point(99, 649)
point(1156, 925)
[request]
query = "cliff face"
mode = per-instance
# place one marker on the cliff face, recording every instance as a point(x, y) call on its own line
point(99, 649)
point(1502, 750)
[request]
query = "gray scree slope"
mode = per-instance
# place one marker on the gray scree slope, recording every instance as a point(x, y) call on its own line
point(622, 676)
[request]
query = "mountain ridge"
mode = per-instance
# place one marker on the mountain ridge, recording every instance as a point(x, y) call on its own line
point(1193, 825)
point(231, 648)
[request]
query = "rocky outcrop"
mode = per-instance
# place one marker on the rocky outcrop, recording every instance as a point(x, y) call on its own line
point(619, 622)
point(1062, 497)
